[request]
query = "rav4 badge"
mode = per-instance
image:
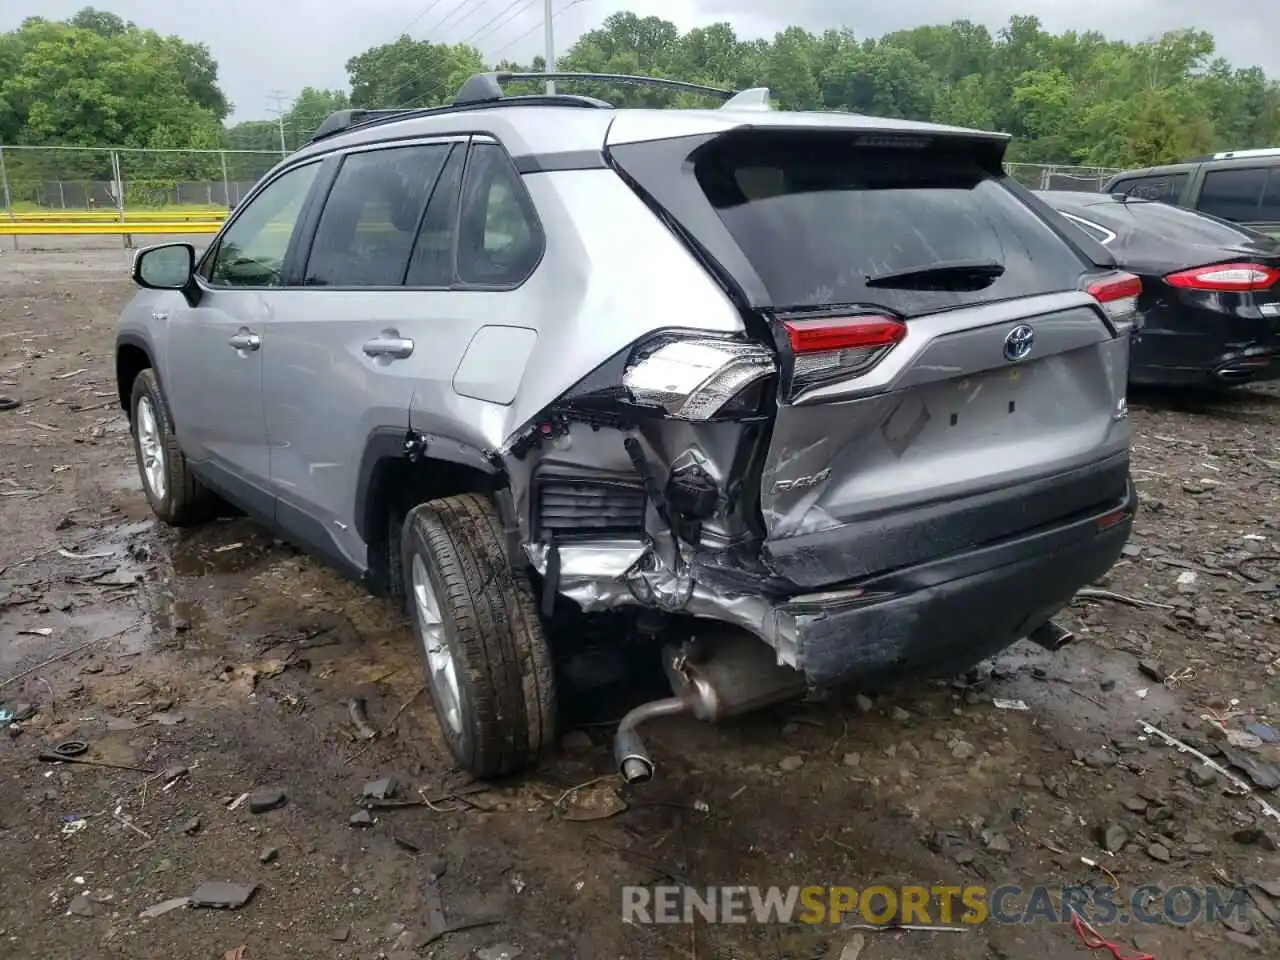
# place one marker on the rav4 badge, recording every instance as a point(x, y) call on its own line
point(802, 483)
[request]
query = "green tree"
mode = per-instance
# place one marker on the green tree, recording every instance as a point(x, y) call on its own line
point(411, 73)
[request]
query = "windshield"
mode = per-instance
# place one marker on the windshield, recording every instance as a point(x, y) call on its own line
point(819, 220)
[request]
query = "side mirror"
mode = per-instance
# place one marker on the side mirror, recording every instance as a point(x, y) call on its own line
point(169, 266)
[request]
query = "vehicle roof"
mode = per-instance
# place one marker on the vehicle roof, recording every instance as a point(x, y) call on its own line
point(1265, 156)
point(541, 129)
point(1185, 166)
point(1080, 199)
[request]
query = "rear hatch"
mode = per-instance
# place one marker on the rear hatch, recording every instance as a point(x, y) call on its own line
point(945, 379)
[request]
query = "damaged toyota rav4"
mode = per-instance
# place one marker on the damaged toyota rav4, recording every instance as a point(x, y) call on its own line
point(808, 399)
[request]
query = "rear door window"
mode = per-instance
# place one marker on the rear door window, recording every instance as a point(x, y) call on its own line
point(826, 224)
point(1167, 188)
point(370, 219)
point(1234, 194)
point(432, 262)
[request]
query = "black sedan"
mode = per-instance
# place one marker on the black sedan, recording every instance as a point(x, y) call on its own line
point(1210, 301)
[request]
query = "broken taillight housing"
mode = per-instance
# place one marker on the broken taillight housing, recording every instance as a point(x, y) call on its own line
point(1118, 294)
point(838, 348)
point(696, 378)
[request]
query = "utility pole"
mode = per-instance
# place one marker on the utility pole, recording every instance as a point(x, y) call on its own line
point(550, 53)
point(280, 98)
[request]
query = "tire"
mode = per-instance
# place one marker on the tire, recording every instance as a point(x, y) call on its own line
point(393, 556)
point(497, 711)
point(176, 496)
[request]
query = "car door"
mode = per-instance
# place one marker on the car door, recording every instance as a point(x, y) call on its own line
point(215, 349)
point(352, 343)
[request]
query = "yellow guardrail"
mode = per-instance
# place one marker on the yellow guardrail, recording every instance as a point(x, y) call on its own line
point(171, 216)
point(19, 228)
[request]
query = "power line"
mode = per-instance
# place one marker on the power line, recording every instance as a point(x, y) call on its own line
point(537, 26)
point(421, 13)
point(419, 76)
point(440, 85)
point(501, 13)
point(460, 8)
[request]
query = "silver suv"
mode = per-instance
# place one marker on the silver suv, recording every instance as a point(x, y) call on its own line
point(810, 397)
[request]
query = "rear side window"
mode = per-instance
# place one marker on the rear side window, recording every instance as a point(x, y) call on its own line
point(499, 242)
point(1167, 188)
point(826, 223)
point(1234, 194)
point(1270, 211)
point(1099, 233)
point(370, 219)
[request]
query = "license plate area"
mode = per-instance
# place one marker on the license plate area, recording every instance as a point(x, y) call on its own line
point(953, 411)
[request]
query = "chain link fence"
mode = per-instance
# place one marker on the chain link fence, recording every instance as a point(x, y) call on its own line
point(77, 180)
point(1054, 176)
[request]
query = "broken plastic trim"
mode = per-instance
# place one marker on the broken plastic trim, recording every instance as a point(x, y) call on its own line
point(629, 387)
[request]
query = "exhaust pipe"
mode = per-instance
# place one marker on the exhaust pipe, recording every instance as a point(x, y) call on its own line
point(629, 751)
point(1051, 636)
point(731, 674)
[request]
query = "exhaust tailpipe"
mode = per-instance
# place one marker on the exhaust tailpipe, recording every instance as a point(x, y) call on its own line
point(1051, 636)
point(629, 751)
point(730, 674)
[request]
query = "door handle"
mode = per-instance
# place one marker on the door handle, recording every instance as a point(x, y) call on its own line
point(389, 344)
point(245, 340)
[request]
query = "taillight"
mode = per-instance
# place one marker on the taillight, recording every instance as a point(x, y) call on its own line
point(696, 378)
point(1118, 294)
point(1226, 278)
point(831, 348)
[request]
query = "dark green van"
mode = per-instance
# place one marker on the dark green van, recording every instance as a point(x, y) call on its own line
point(1240, 185)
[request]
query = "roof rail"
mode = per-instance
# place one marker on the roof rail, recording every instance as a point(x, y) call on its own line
point(341, 120)
point(484, 87)
point(344, 120)
point(1242, 154)
point(485, 90)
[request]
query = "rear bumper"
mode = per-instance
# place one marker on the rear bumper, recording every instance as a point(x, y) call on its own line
point(1216, 371)
point(937, 618)
point(1206, 349)
point(908, 537)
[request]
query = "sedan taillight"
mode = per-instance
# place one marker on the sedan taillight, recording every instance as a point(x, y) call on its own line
point(1225, 278)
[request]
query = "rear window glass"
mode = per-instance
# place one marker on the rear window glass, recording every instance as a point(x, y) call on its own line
point(1166, 188)
point(1175, 223)
point(825, 223)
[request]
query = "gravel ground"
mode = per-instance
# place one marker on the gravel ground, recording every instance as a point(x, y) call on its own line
point(224, 652)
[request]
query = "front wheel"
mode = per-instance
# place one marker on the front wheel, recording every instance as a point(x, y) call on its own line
point(173, 491)
point(486, 656)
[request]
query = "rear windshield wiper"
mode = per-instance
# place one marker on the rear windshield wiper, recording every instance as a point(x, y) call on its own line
point(953, 275)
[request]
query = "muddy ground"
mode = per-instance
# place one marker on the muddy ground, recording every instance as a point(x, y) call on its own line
point(229, 654)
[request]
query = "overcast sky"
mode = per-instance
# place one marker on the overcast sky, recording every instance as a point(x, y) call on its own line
point(264, 46)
